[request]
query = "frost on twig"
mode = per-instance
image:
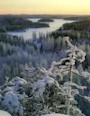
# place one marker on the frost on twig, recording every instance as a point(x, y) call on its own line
point(74, 85)
point(77, 53)
point(73, 54)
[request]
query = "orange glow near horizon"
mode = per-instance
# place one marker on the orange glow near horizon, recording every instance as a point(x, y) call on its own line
point(81, 7)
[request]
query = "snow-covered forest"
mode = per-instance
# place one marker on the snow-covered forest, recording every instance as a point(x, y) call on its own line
point(45, 75)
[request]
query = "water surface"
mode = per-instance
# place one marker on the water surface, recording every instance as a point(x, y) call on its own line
point(29, 32)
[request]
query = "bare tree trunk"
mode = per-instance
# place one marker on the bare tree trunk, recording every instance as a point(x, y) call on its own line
point(69, 93)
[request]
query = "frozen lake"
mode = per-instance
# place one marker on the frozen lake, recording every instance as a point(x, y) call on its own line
point(29, 32)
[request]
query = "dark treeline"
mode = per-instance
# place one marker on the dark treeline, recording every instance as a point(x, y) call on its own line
point(79, 25)
point(46, 20)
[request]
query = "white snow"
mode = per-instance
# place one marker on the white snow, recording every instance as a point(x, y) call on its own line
point(4, 113)
point(54, 114)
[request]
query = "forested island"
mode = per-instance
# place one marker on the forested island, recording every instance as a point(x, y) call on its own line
point(14, 23)
point(46, 75)
point(46, 20)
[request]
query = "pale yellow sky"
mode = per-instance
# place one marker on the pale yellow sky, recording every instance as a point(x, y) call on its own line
point(45, 7)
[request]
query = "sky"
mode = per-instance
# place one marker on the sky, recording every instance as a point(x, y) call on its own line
point(80, 7)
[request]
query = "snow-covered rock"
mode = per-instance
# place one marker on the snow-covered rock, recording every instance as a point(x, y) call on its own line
point(4, 113)
point(55, 114)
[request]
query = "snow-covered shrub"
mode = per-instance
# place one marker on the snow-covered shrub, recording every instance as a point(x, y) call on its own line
point(46, 96)
point(12, 94)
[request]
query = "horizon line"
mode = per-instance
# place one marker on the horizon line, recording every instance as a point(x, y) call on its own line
point(44, 14)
